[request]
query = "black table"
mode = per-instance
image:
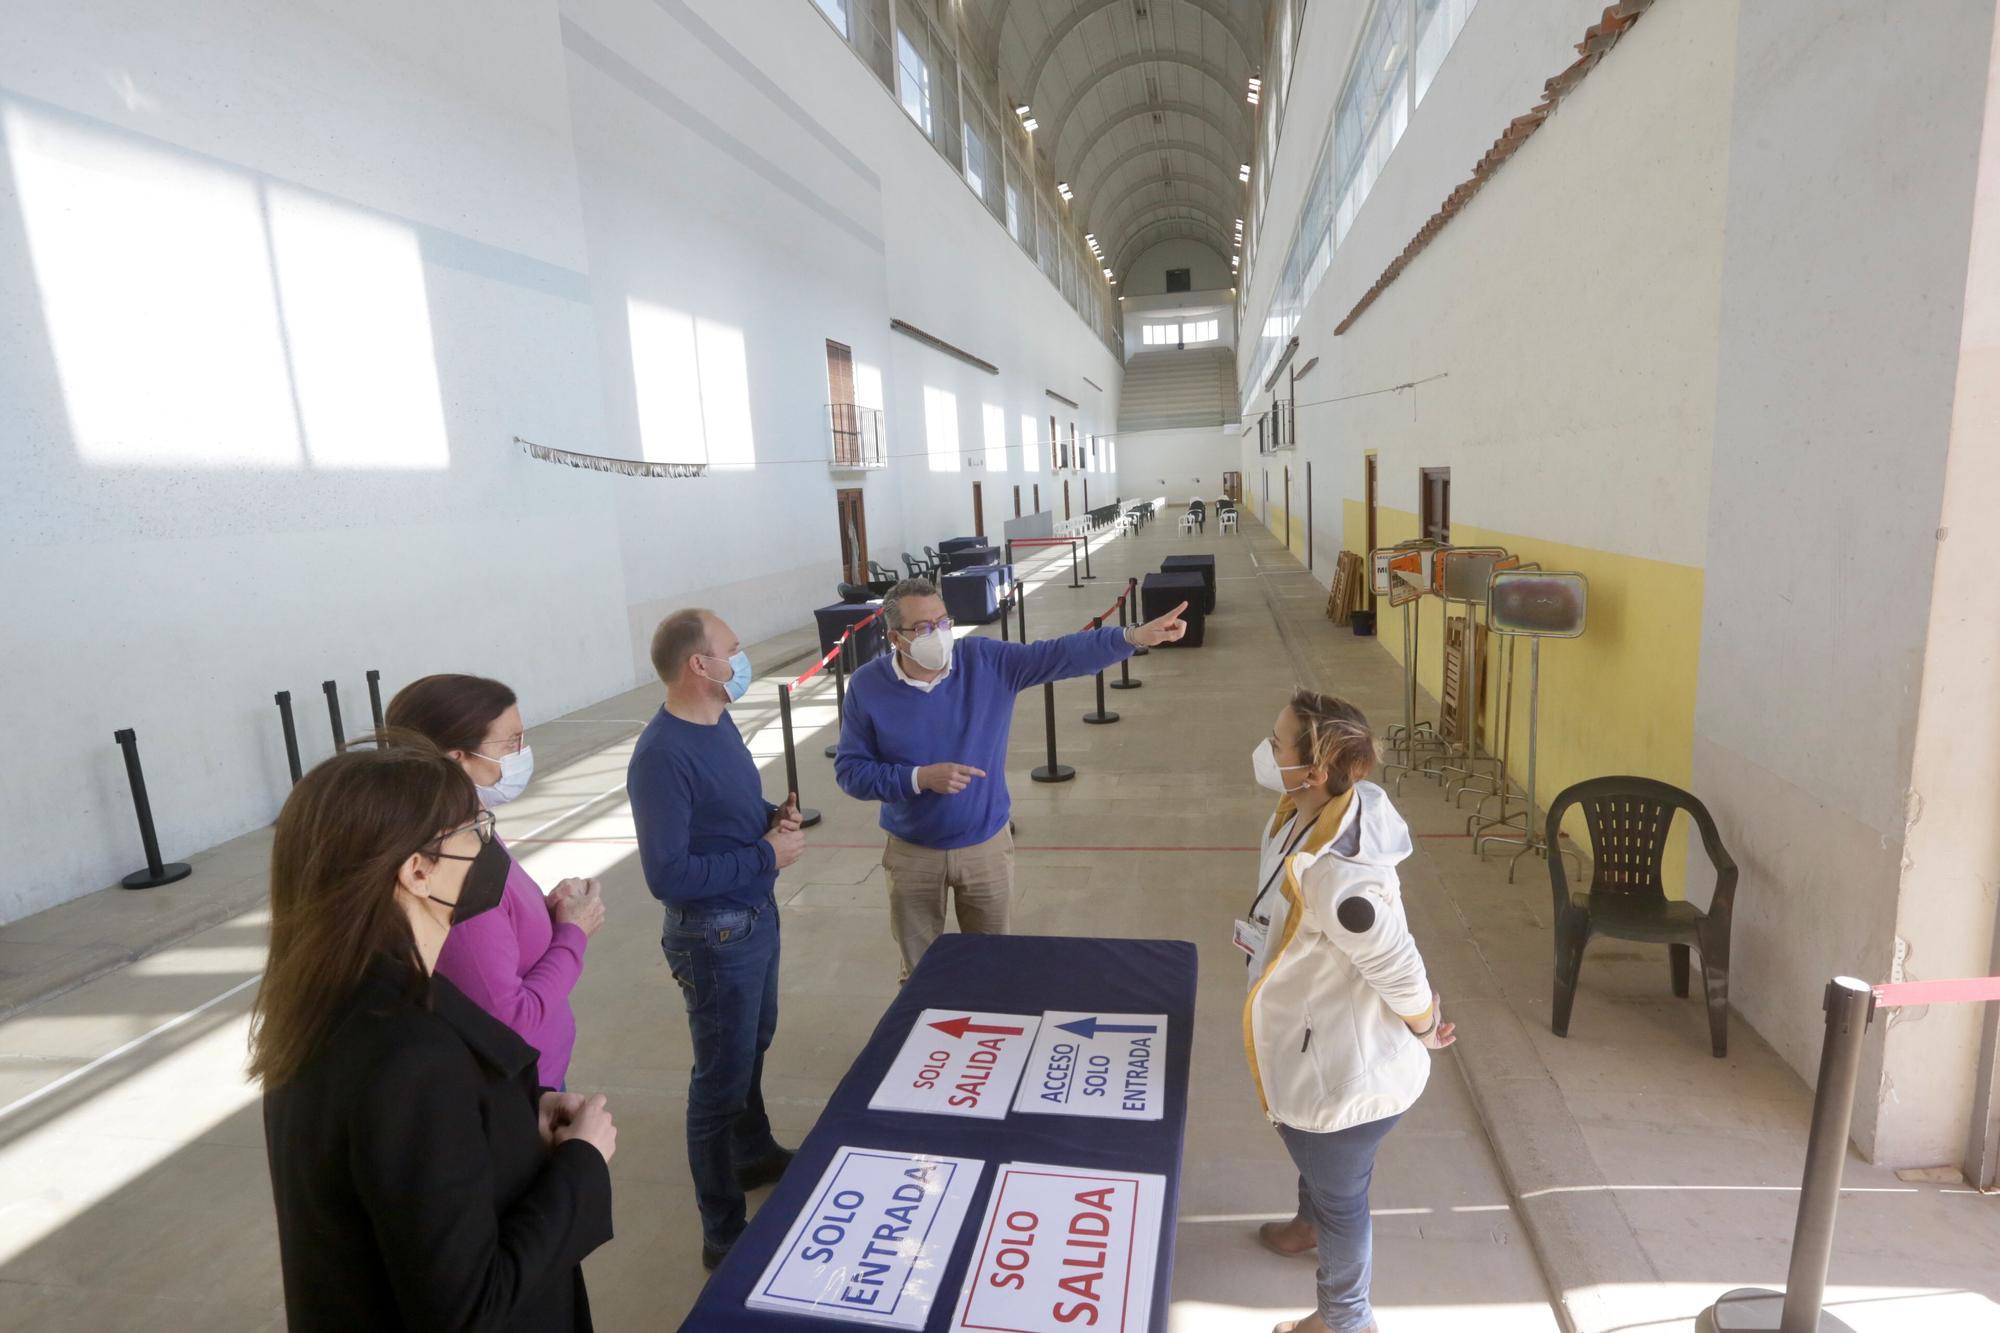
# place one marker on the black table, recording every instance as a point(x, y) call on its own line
point(965, 557)
point(959, 543)
point(834, 620)
point(1203, 565)
point(1021, 974)
point(1161, 593)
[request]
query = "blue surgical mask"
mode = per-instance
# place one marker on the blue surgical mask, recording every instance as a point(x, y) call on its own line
point(738, 683)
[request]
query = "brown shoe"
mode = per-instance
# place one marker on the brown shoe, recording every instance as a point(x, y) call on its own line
point(1273, 1236)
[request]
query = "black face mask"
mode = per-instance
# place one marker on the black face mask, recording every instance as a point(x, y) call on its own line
point(485, 882)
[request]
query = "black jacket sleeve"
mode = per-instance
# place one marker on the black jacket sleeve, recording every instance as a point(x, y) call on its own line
point(420, 1165)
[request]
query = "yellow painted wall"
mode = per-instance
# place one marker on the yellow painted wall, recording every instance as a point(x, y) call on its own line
point(1620, 699)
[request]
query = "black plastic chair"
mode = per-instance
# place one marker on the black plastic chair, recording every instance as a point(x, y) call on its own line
point(918, 569)
point(1628, 819)
point(880, 572)
point(933, 562)
point(854, 592)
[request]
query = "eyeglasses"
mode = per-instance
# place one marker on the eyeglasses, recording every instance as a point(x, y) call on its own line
point(942, 625)
point(512, 745)
point(482, 824)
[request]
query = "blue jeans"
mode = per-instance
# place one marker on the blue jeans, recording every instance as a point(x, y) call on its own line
point(725, 960)
point(1334, 1170)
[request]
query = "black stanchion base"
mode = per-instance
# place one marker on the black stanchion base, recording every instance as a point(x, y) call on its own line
point(146, 879)
point(832, 750)
point(1126, 684)
point(1100, 719)
point(807, 818)
point(1754, 1310)
point(1090, 578)
point(1060, 773)
point(1141, 652)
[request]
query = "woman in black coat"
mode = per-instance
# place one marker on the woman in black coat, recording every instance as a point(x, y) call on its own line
point(423, 1181)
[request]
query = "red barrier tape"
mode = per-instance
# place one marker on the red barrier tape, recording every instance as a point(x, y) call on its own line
point(1111, 611)
point(833, 652)
point(1901, 994)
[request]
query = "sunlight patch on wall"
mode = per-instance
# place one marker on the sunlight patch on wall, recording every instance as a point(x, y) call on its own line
point(1031, 453)
point(691, 379)
point(941, 429)
point(995, 420)
point(156, 287)
point(358, 327)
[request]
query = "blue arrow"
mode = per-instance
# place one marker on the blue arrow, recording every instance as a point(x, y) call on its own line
point(1088, 1028)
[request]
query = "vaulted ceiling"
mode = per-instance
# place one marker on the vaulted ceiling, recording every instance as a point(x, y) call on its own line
point(1141, 108)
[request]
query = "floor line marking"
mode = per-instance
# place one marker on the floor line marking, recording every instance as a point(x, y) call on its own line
point(81, 1071)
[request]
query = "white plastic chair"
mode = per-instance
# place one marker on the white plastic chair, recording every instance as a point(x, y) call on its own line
point(1229, 520)
point(1188, 523)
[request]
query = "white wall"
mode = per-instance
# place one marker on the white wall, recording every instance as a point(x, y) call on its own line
point(288, 281)
point(1147, 275)
point(1217, 304)
point(1179, 464)
point(1841, 318)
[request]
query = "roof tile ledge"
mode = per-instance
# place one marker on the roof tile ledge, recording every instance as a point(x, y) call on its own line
point(1616, 21)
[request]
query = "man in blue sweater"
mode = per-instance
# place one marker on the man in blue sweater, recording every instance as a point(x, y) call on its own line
point(925, 733)
point(711, 847)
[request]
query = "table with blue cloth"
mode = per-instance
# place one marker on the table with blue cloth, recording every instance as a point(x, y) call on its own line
point(1203, 565)
point(959, 543)
point(1017, 974)
point(973, 596)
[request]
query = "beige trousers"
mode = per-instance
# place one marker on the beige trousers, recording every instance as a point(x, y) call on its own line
point(919, 878)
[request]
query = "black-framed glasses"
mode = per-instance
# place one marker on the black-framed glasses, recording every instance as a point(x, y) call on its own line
point(920, 628)
point(482, 823)
point(501, 749)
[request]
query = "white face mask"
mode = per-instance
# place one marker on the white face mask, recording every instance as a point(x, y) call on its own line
point(1271, 773)
point(515, 770)
point(932, 651)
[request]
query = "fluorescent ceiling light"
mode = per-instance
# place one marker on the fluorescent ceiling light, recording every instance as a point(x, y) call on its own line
point(1021, 110)
point(1029, 125)
point(1243, 172)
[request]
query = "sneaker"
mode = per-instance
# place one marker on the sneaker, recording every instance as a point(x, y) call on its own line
point(764, 1171)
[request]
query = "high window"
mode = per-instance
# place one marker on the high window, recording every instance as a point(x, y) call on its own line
point(913, 82)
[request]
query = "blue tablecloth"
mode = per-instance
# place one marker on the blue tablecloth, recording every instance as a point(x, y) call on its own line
point(1021, 974)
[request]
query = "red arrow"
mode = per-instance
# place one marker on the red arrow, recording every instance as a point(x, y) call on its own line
point(958, 1027)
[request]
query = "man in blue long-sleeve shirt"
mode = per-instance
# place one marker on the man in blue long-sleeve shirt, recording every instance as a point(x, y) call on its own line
point(925, 733)
point(711, 847)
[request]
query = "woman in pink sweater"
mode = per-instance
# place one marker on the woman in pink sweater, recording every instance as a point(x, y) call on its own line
point(518, 963)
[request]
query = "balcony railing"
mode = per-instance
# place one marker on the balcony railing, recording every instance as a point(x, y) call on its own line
point(856, 437)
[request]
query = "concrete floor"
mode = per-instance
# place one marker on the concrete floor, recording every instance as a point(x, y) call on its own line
point(1649, 1176)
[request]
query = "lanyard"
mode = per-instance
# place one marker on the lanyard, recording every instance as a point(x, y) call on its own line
point(1297, 838)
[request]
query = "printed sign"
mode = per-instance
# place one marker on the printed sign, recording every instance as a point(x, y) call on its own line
point(1062, 1248)
point(872, 1245)
point(1105, 1065)
point(958, 1063)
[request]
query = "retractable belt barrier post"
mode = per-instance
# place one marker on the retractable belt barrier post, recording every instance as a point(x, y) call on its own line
point(1076, 575)
point(333, 713)
point(1086, 557)
point(1103, 716)
point(284, 701)
point(156, 872)
point(839, 694)
point(1128, 615)
point(838, 656)
point(807, 818)
point(375, 702)
point(1850, 1004)
point(1051, 771)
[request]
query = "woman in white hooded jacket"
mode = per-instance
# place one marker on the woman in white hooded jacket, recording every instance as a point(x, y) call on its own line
point(1340, 1010)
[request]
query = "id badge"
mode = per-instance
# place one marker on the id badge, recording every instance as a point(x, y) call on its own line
point(1249, 936)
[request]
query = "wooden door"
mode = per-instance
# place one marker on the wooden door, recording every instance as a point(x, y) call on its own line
point(842, 415)
point(1436, 515)
point(1038, 497)
point(1065, 499)
point(853, 535)
point(1055, 446)
point(1288, 506)
point(978, 512)
point(1017, 502)
point(1368, 499)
